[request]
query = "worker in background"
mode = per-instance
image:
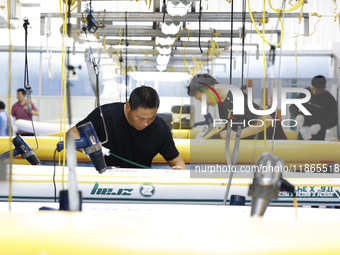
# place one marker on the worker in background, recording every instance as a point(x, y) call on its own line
point(4, 118)
point(135, 133)
point(197, 88)
point(323, 108)
point(20, 110)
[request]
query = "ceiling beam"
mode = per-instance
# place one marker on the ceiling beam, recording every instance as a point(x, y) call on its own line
point(190, 17)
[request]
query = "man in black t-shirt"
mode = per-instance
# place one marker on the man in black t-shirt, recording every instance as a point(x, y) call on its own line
point(323, 107)
point(134, 131)
point(205, 84)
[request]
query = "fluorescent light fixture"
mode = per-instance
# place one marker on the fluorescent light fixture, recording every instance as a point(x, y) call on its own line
point(161, 76)
point(163, 60)
point(165, 41)
point(170, 28)
point(161, 68)
point(178, 8)
point(164, 50)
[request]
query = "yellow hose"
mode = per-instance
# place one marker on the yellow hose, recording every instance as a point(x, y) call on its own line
point(9, 102)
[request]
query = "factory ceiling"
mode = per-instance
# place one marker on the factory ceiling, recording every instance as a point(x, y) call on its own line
point(143, 30)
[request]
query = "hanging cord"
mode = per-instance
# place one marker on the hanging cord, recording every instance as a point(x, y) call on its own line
point(278, 77)
point(54, 184)
point(208, 71)
point(126, 56)
point(63, 112)
point(10, 177)
point(231, 41)
point(26, 79)
point(129, 161)
point(96, 70)
point(243, 36)
point(264, 94)
point(199, 27)
point(164, 3)
point(98, 101)
point(26, 82)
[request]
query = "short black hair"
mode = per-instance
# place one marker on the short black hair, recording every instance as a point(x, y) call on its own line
point(319, 82)
point(2, 105)
point(197, 82)
point(22, 91)
point(144, 97)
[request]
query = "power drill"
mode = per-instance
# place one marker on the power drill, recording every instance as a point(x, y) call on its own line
point(21, 147)
point(91, 144)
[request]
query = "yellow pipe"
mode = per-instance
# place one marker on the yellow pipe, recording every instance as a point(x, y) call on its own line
point(212, 151)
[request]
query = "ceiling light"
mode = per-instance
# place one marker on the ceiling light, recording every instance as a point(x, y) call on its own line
point(178, 8)
point(170, 28)
point(161, 68)
point(164, 50)
point(161, 76)
point(163, 59)
point(165, 41)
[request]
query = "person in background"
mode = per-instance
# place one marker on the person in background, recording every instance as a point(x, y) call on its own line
point(4, 127)
point(197, 88)
point(135, 132)
point(323, 108)
point(20, 110)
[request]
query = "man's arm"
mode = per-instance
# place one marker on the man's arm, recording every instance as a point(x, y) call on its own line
point(33, 112)
point(74, 131)
point(294, 110)
point(249, 131)
point(332, 115)
point(177, 163)
point(36, 113)
point(75, 134)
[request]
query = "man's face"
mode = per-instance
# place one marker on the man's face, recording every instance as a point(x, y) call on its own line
point(140, 118)
point(20, 96)
point(316, 91)
point(199, 95)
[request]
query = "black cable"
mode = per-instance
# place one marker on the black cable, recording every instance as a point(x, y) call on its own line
point(199, 27)
point(164, 3)
point(208, 71)
point(126, 57)
point(26, 81)
point(54, 185)
point(243, 36)
point(231, 41)
point(68, 93)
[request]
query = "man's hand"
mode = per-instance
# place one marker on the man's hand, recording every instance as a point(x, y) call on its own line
point(300, 120)
point(105, 151)
point(314, 129)
point(176, 167)
point(305, 133)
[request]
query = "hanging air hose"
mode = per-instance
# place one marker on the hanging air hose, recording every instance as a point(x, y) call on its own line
point(231, 41)
point(243, 37)
point(26, 82)
point(164, 8)
point(126, 56)
point(199, 29)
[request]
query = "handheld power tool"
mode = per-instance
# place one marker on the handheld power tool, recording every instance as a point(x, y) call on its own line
point(267, 183)
point(21, 147)
point(91, 144)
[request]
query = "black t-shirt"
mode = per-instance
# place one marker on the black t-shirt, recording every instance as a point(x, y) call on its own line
point(139, 146)
point(227, 107)
point(323, 108)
